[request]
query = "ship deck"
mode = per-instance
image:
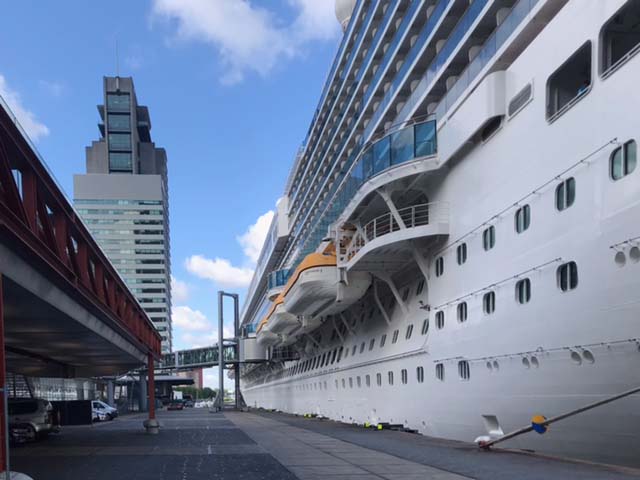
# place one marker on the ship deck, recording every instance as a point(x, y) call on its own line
point(195, 444)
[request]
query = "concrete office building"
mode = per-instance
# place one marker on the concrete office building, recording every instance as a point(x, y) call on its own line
point(124, 200)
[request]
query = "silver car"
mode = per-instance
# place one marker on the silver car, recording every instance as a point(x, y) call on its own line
point(31, 418)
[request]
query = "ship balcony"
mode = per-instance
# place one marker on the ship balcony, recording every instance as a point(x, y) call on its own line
point(386, 242)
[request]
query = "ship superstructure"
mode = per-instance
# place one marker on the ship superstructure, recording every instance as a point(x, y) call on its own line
point(457, 248)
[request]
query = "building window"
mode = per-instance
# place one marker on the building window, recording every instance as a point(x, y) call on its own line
point(119, 141)
point(420, 374)
point(119, 122)
point(620, 37)
point(464, 370)
point(420, 287)
point(439, 266)
point(440, 371)
point(409, 332)
point(462, 312)
point(566, 194)
point(440, 320)
point(567, 276)
point(390, 376)
point(394, 339)
point(623, 160)
point(120, 162)
point(523, 291)
point(489, 238)
point(383, 340)
point(523, 218)
point(489, 303)
point(118, 102)
point(379, 379)
point(462, 253)
point(404, 377)
point(569, 83)
point(425, 327)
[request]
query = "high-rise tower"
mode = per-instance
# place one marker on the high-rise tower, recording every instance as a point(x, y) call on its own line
point(124, 200)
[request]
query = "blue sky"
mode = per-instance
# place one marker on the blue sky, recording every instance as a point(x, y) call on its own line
point(231, 86)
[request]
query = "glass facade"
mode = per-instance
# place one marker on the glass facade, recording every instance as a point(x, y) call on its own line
point(118, 102)
point(120, 162)
point(119, 122)
point(119, 141)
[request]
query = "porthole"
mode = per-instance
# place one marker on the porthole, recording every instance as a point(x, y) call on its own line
point(489, 366)
point(534, 362)
point(496, 365)
point(526, 363)
point(620, 259)
point(588, 356)
point(576, 358)
point(634, 254)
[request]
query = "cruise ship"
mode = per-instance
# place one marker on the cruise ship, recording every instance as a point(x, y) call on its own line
point(457, 248)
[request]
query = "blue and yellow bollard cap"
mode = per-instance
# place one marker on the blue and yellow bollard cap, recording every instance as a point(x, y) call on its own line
point(538, 425)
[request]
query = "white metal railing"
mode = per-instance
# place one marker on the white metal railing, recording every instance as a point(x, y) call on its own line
point(413, 216)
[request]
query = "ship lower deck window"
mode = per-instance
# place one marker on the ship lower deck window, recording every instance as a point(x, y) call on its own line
point(362, 345)
point(440, 371)
point(440, 320)
point(367, 380)
point(569, 83)
point(620, 37)
point(379, 379)
point(383, 340)
point(623, 160)
point(523, 218)
point(439, 266)
point(462, 312)
point(409, 332)
point(340, 353)
point(489, 238)
point(489, 303)
point(425, 327)
point(420, 374)
point(390, 377)
point(567, 276)
point(353, 350)
point(344, 384)
point(372, 344)
point(350, 382)
point(462, 253)
point(359, 382)
point(566, 194)
point(463, 370)
point(395, 336)
point(420, 287)
point(523, 291)
point(404, 376)
point(405, 294)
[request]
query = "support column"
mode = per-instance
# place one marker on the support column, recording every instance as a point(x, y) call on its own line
point(142, 401)
point(151, 424)
point(236, 327)
point(4, 430)
point(220, 398)
point(111, 392)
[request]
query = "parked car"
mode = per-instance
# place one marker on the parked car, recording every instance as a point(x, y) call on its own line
point(188, 403)
point(176, 405)
point(31, 418)
point(102, 411)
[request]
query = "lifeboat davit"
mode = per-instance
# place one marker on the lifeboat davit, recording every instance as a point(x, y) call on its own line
point(315, 289)
point(266, 338)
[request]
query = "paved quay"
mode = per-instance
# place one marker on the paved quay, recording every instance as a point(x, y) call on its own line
point(195, 444)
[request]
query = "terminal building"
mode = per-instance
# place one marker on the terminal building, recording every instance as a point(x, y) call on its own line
point(124, 200)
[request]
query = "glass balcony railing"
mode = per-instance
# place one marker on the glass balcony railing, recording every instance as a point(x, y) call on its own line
point(279, 278)
point(433, 20)
point(435, 69)
point(486, 54)
point(356, 82)
point(396, 148)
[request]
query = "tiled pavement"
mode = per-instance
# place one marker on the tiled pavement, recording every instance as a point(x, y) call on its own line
point(195, 444)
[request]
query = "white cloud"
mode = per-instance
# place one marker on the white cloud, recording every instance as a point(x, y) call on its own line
point(245, 36)
point(199, 340)
point(219, 271)
point(253, 239)
point(27, 119)
point(179, 290)
point(188, 319)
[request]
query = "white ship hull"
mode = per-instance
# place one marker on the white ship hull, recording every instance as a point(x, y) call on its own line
point(557, 352)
